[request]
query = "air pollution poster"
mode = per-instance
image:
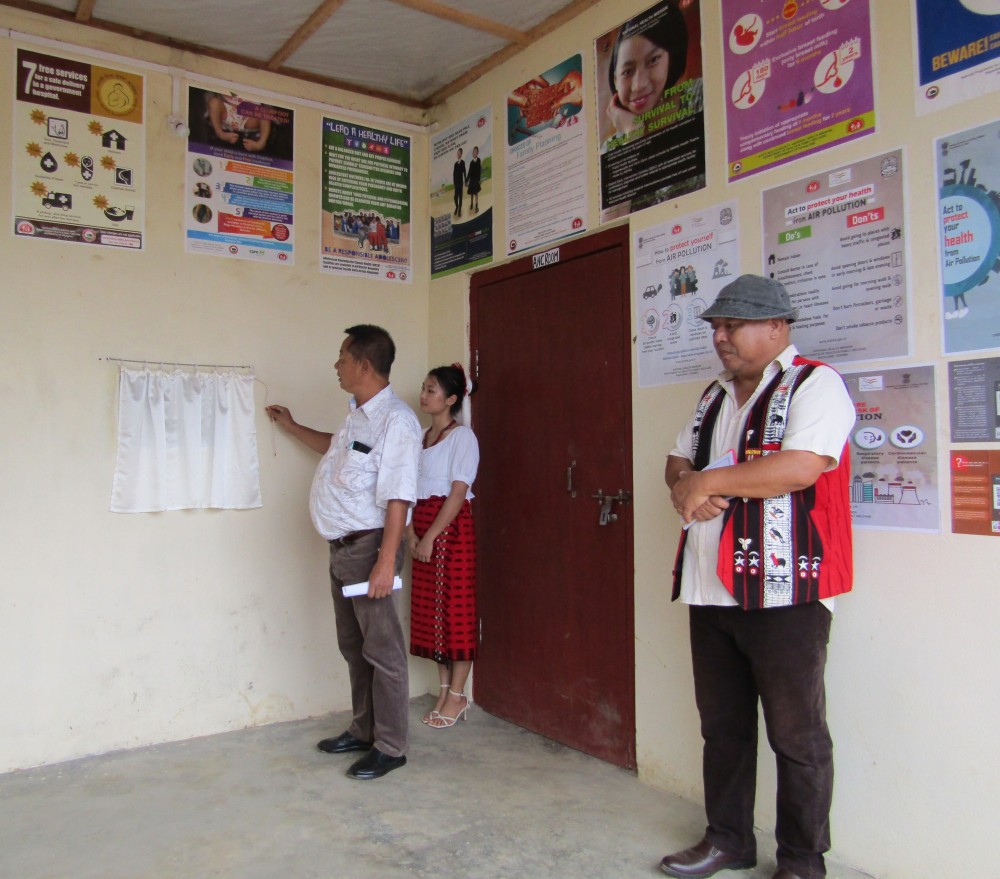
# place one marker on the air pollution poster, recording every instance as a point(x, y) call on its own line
point(968, 171)
point(957, 51)
point(239, 178)
point(366, 202)
point(798, 79)
point(79, 152)
point(461, 189)
point(546, 186)
point(837, 241)
point(894, 468)
point(650, 108)
point(680, 266)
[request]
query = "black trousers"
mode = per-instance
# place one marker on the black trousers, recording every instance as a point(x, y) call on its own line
point(776, 655)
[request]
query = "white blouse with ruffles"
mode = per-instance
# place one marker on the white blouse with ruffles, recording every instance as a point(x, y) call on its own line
point(456, 457)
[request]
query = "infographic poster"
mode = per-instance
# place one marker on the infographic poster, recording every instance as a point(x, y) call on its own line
point(461, 188)
point(837, 241)
point(974, 389)
point(79, 152)
point(366, 202)
point(650, 108)
point(239, 187)
point(546, 185)
point(894, 470)
point(975, 492)
point(968, 172)
point(957, 51)
point(798, 79)
point(680, 266)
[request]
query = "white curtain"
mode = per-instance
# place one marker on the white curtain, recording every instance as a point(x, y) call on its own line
point(185, 440)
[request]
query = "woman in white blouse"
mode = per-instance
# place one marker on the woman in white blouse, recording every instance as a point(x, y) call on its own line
point(442, 540)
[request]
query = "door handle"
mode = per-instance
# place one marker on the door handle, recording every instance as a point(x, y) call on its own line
point(607, 502)
point(569, 479)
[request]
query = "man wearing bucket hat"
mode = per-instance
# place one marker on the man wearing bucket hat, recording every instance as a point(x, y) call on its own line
point(765, 547)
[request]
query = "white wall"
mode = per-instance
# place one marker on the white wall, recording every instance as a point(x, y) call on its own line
point(913, 689)
point(118, 631)
point(124, 630)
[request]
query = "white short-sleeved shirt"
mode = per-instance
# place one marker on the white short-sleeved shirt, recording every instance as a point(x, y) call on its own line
point(455, 458)
point(820, 418)
point(352, 487)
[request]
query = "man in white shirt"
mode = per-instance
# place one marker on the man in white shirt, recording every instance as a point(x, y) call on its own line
point(360, 499)
point(766, 547)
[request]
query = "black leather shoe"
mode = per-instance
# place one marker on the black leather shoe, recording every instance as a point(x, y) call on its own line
point(343, 743)
point(701, 861)
point(375, 764)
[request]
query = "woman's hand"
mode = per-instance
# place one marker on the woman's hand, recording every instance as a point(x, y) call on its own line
point(423, 550)
point(622, 119)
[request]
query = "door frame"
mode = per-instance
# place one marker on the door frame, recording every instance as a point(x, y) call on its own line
point(616, 237)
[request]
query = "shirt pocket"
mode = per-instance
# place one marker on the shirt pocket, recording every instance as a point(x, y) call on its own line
point(360, 471)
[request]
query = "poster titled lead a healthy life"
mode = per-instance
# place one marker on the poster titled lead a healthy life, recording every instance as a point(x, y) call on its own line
point(366, 202)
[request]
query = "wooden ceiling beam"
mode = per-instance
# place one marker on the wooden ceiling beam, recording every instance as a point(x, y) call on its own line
point(312, 24)
point(85, 9)
point(467, 19)
point(217, 54)
point(544, 28)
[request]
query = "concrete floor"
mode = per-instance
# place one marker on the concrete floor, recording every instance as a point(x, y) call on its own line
point(486, 800)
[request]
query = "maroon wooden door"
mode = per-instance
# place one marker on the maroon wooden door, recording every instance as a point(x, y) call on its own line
point(553, 417)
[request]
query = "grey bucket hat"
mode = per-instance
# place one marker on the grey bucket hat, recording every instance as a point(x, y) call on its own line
point(752, 297)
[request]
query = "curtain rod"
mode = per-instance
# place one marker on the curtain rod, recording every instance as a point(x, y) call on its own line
point(153, 360)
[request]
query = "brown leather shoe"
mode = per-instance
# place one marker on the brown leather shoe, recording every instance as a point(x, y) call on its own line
point(701, 861)
point(782, 873)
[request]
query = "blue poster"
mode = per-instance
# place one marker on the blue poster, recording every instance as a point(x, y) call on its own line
point(957, 51)
point(969, 222)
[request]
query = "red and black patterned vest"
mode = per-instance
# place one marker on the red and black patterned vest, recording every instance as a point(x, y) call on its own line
point(784, 550)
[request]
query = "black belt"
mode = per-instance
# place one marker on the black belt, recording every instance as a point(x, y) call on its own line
point(351, 537)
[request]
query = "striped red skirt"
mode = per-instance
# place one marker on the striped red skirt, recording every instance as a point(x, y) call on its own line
point(443, 621)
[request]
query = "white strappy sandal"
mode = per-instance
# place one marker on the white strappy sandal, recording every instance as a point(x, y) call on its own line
point(444, 721)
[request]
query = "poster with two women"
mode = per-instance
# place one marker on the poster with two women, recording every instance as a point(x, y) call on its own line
point(650, 108)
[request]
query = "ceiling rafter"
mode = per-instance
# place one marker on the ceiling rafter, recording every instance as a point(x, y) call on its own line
point(468, 19)
point(517, 41)
point(85, 9)
point(312, 24)
point(554, 21)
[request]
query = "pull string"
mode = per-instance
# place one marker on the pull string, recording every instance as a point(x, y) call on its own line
point(274, 444)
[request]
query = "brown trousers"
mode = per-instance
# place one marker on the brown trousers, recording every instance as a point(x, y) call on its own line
point(371, 639)
point(776, 655)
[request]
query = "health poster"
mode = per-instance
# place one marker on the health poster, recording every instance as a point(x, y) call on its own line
point(837, 241)
point(650, 108)
point(798, 79)
point(894, 470)
point(79, 152)
point(957, 51)
point(239, 179)
point(974, 390)
point(366, 202)
point(975, 492)
point(680, 266)
point(968, 173)
point(546, 191)
point(461, 189)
